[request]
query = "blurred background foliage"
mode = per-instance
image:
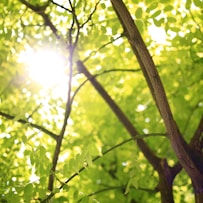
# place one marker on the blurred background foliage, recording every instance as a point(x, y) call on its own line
point(172, 31)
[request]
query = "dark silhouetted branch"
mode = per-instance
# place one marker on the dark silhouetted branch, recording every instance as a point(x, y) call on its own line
point(40, 10)
point(51, 134)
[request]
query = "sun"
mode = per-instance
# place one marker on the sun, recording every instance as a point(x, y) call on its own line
point(45, 67)
point(48, 68)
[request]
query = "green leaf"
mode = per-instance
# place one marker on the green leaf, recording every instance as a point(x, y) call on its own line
point(75, 194)
point(158, 23)
point(32, 158)
point(134, 182)
point(13, 198)
point(171, 19)
point(42, 152)
point(103, 5)
point(153, 6)
point(78, 162)
point(8, 34)
point(163, 1)
point(138, 13)
point(198, 3)
point(89, 159)
point(56, 190)
point(128, 186)
point(85, 199)
point(188, 4)
point(157, 13)
point(62, 199)
point(140, 25)
point(168, 8)
point(28, 190)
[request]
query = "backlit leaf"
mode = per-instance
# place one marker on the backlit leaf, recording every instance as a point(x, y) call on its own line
point(138, 13)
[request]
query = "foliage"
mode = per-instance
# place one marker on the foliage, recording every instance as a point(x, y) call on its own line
point(97, 160)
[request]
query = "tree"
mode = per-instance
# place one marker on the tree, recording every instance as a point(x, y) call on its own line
point(106, 134)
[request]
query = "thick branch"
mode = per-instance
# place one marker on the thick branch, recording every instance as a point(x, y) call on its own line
point(195, 143)
point(165, 173)
point(60, 138)
point(185, 155)
point(197, 138)
point(115, 108)
point(51, 134)
point(121, 116)
point(72, 46)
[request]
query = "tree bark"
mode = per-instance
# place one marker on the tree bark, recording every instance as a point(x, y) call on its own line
point(166, 190)
point(160, 165)
point(191, 161)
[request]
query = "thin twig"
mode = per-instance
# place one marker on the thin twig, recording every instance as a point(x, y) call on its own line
point(51, 134)
point(111, 149)
point(40, 10)
point(61, 6)
point(98, 157)
point(91, 14)
point(72, 46)
point(102, 47)
point(122, 188)
point(193, 18)
point(99, 74)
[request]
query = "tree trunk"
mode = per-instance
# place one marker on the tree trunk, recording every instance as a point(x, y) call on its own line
point(191, 161)
point(166, 190)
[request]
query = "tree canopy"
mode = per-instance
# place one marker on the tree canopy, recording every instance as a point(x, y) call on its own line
point(101, 101)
